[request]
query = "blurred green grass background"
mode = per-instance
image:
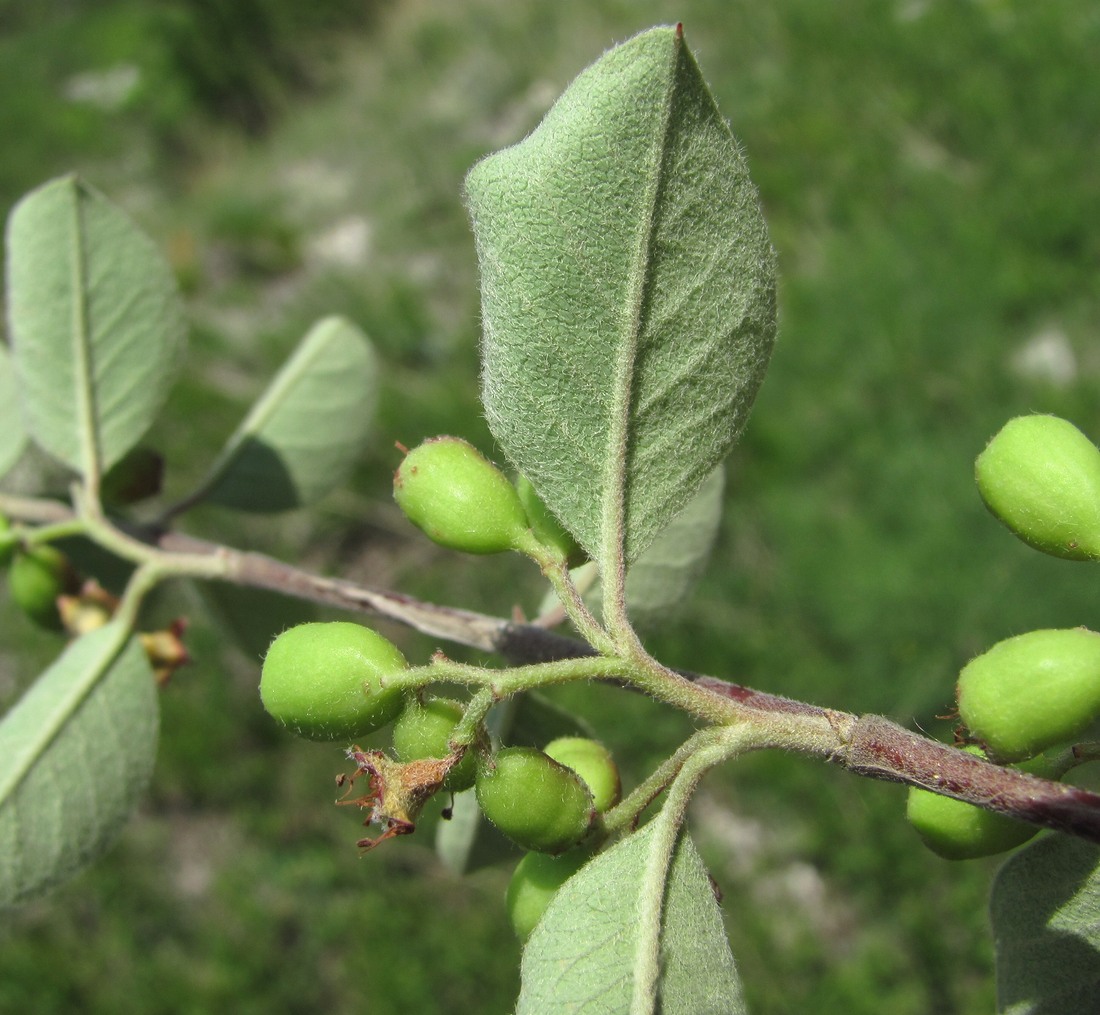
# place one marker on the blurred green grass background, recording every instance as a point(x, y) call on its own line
point(928, 173)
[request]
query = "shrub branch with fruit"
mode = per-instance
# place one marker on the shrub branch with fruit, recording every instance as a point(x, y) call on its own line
point(628, 297)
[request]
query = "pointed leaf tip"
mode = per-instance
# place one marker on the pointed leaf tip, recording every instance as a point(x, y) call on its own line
point(628, 294)
point(307, 430)
point(96, 323)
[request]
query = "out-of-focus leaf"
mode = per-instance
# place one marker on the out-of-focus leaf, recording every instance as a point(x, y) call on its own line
point(254, 617)
point(1045, 910)
point(628, 295)
point(96, 323)
point(538, 720)
point(302, 437)
point(13, 438)
point(76, 752)
point(581, 955)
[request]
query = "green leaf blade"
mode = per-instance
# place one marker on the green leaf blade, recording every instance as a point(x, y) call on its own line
point(628, 295)
point(77, 752)
point(304, 434)
point(1045, 910)
point(96, 323)
point(581, 955)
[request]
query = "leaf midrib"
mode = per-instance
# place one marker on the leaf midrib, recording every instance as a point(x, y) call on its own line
point(63, 712)
point(83, 376)
point(613, 541)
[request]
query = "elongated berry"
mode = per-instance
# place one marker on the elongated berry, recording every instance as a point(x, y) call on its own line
point(328, 681)
point(1031, 692)
point(1041, 477)
point(447, 488)
point(539, 804)
point(593, 763)
point(424, 730)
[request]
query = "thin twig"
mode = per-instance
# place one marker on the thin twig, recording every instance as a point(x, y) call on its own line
point(870, 746)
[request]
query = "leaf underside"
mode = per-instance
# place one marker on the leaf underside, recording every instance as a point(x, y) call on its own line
point(96, 324)
point(1045, 910)
point(580, 957)
point(66, 793)
point(628, 295)
point(304, 434)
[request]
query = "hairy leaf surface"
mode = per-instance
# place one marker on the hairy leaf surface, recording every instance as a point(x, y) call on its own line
point(13, 437)
point(628, 295)
point(76, 753)
point(96, 324)
point(1046, 927)
point(302, 437)
point(581, 955)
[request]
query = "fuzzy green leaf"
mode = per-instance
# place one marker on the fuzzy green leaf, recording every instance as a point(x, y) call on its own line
point(13, 438)
point(76, 752)
point(628, 295)
point(1045, 910)
point(301, 439)
point(96, 324)
point(581, 955)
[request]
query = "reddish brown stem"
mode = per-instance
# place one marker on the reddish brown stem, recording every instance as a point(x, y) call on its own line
point(870, 746)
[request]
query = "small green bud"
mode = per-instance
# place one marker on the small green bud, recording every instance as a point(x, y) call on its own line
point(328, 681)
point(447, 488)
point(537, 803)
point(1031, 692)
point(593, 763)
point(36, 579)
point(534, 884)
point(424, 730)
point(1041, 477)
point(546, 527)
point(957, 830)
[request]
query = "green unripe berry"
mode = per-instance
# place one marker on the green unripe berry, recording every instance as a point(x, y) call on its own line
point(593, 763)
point(547, 529)
point(535, 882)
point(447, 488)
point(1041, 477)
point(960, 831)
point(36, 579)
point(424, 729)
point(328, 681)
point(537, 803)
point(1031, 692)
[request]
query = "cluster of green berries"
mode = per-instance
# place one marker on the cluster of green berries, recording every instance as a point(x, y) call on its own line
point(1033, 696)
point(37, 576)
point(339, 681)
point(540, 874)
point(336, 681)
point(460, 500)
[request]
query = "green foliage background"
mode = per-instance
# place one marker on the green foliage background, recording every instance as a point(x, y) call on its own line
point(927, 169)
